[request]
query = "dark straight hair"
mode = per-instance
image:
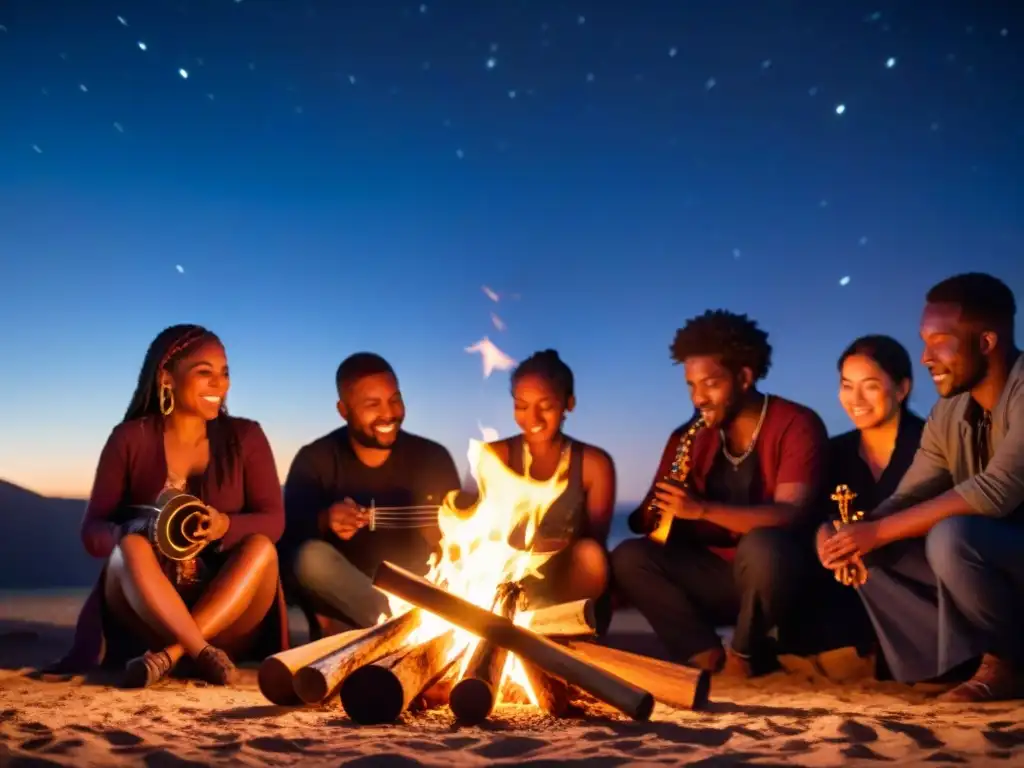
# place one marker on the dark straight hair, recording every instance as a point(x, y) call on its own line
point(888, 354)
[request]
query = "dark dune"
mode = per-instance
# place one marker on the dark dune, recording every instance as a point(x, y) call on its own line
point(39, 543)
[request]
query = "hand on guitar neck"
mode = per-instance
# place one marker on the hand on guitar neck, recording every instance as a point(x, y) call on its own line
point(344, 519)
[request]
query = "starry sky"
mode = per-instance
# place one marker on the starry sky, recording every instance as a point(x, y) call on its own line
point(309, 179)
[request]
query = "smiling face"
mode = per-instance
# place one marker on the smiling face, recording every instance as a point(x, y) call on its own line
point(715, 390)
point(955, 351)
point(199, 380)
point(374, 410)
point(539, 408)
point(868, 394)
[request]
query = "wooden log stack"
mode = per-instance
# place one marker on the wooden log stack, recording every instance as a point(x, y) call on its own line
point(380, 672)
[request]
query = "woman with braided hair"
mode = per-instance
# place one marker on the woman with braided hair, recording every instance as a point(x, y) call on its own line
point(146, 612)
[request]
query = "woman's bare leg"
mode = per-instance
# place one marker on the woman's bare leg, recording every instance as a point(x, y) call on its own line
point(235, 603)
point(586, 571)
point(140, 595)
point(578, 572)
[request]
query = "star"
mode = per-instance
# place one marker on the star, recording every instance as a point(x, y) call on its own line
point(493, 358)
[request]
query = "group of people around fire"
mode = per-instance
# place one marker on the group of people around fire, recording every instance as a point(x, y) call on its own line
point(932, 578)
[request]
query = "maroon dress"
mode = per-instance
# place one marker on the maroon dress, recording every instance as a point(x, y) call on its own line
point(133, 470)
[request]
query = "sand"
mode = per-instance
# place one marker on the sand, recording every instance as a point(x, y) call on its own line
point(794, 718)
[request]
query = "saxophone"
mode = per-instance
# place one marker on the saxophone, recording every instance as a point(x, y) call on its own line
point(678, 473)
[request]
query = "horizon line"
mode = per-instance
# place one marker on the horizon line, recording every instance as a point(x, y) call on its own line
point(61, 497)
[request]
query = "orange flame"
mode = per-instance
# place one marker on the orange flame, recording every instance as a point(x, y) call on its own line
point(488, 545)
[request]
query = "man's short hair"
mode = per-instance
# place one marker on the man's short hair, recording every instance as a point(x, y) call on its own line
point(358, 366)
point(982, 299)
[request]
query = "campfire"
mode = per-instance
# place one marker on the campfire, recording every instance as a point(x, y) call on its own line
point(465, 636)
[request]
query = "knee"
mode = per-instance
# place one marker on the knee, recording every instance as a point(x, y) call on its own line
point(762, 555)
point(951, 543)
point(629, 560)
point(132, 549)
point(260, 549)
point(311, 564)
point(590, 564)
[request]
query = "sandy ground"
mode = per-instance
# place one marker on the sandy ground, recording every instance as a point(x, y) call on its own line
point(795, 718)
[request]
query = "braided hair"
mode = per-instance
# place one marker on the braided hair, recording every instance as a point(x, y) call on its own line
point(169, 347)
point(550, 367)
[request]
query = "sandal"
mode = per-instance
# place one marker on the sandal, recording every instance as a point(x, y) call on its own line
point(147, 669)
point(215, 666)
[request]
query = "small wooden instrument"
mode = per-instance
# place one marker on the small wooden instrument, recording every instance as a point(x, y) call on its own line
point(179, 530)
point(854, 574)
point(175, 526)
point(678, 473)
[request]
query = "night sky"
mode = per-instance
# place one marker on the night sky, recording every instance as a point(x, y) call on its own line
point(310, 179)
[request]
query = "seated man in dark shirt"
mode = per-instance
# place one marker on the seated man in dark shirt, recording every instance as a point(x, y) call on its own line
point(739, 551)
point(328, 549)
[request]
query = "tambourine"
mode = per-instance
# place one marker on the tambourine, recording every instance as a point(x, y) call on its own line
point(176, 531)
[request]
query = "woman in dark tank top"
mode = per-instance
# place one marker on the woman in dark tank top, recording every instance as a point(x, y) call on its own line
point(577, 524)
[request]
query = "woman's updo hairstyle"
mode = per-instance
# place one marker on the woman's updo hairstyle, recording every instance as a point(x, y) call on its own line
point(547, 365)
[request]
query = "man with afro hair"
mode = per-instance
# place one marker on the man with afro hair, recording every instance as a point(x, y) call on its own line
point(740, 550)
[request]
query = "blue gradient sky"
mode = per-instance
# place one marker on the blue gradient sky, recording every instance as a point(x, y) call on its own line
point(334, 179)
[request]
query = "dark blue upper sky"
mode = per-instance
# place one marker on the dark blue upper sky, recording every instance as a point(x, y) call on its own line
point(338, 176)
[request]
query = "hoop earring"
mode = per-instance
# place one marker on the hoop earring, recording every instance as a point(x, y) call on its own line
point(166, 400)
